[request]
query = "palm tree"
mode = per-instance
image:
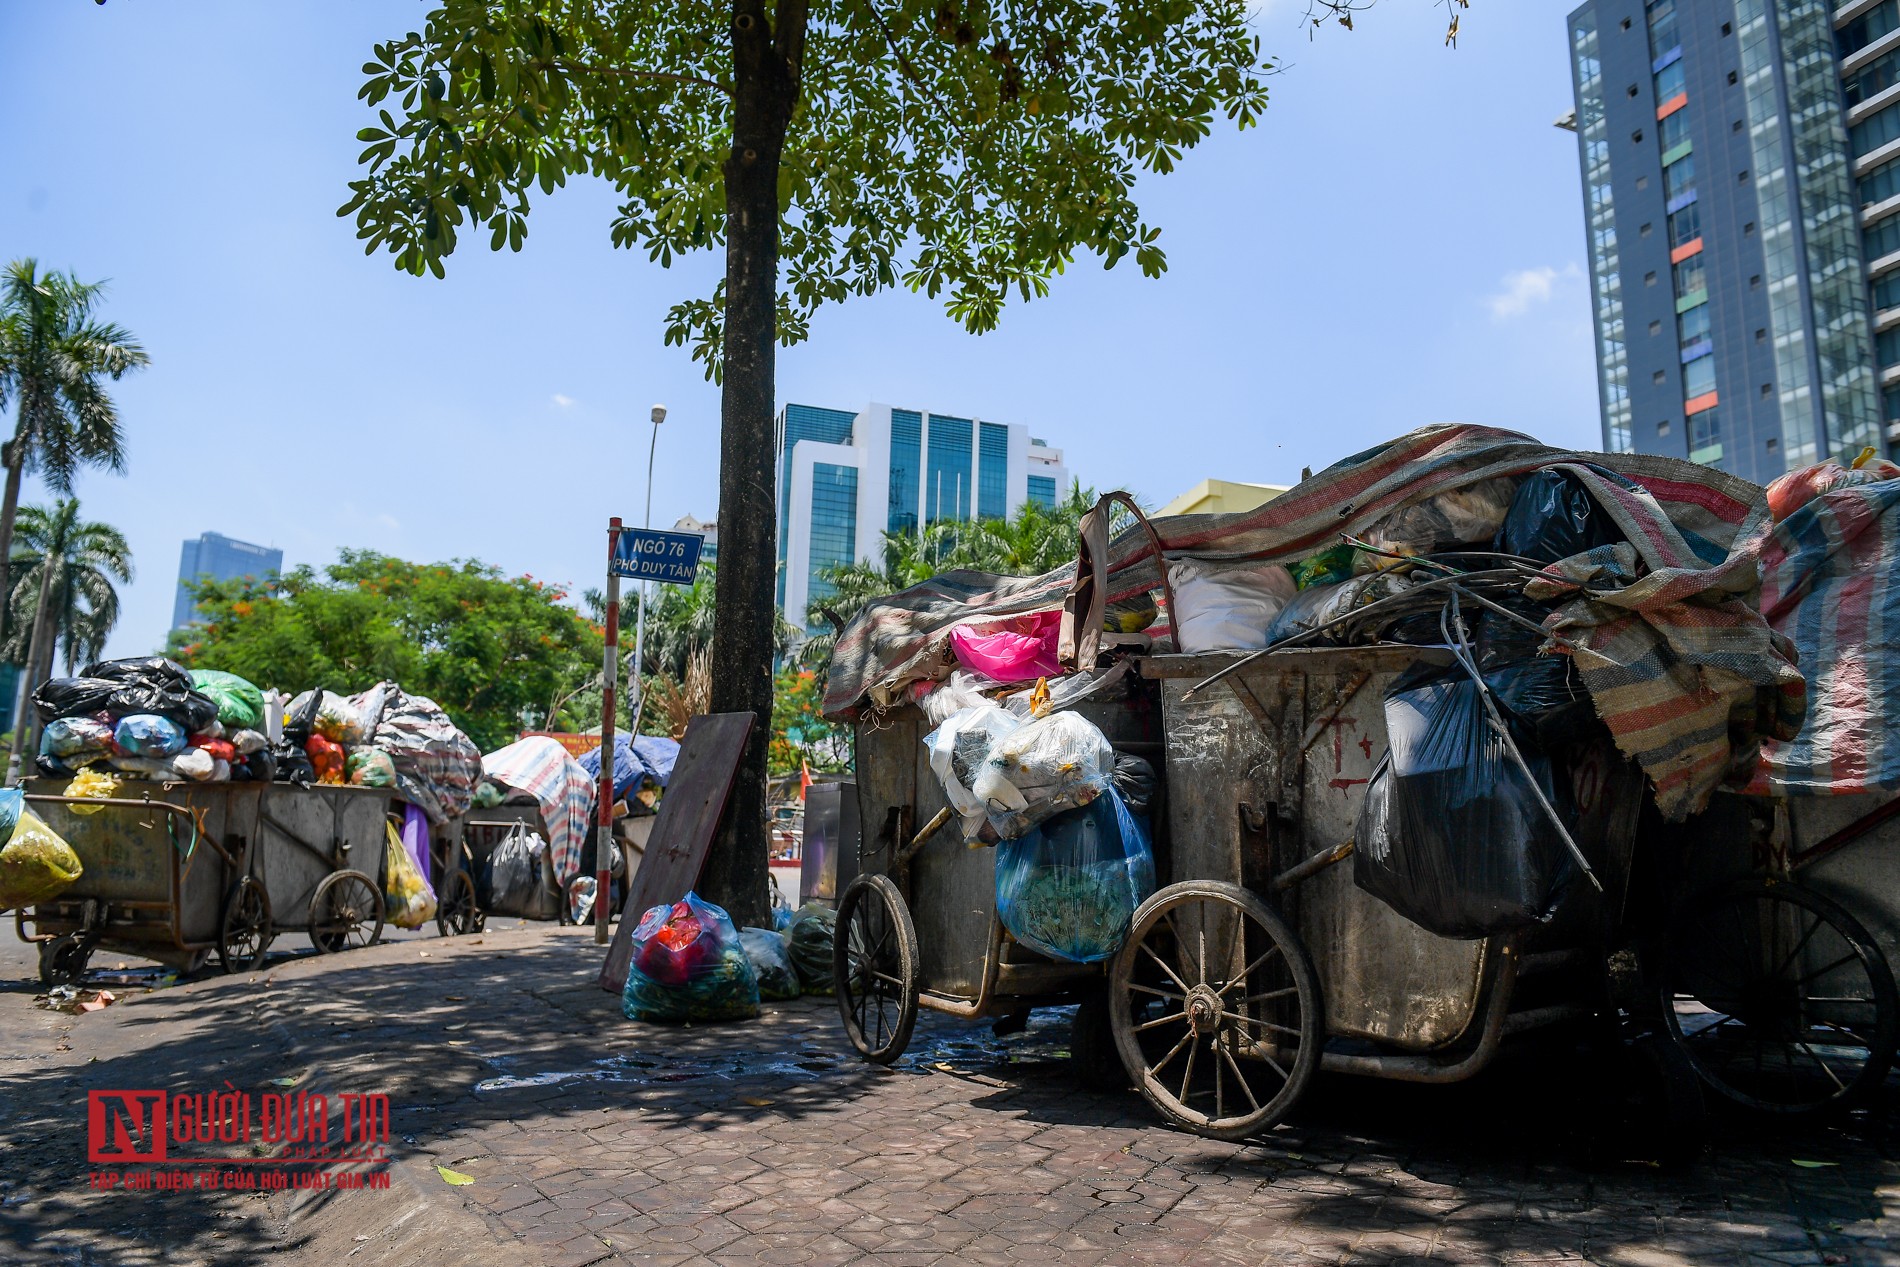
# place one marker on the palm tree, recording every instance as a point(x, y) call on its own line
point(63, 595)
point(53, 354)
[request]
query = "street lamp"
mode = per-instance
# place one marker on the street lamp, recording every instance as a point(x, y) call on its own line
point(640, 629)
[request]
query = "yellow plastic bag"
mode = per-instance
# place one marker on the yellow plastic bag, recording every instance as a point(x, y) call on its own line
point(92, 782)
point(36, 865)
point(410, 900)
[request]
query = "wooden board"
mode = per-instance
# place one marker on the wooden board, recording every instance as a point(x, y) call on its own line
point(683, 830)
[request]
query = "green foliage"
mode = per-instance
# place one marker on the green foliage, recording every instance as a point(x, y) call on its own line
point(496, 652)
point(800, 734)
point(82, 605)
point(968, 149)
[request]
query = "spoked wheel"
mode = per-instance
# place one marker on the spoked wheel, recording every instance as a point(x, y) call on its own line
point(455, 912)
point(1216, 1009)
point(346, 912)
point(245, 931)
point(1782, 1001)
point(874, 968)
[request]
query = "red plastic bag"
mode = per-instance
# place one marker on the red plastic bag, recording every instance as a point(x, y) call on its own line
point(326, 756)
point(1797, 488)
point(1014, 649)
point(220, 749)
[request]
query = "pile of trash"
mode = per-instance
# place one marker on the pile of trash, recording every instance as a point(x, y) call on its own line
point(152, 719)
point(690, 962)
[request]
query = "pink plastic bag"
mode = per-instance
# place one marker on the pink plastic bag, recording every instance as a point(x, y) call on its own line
point(1014, 649)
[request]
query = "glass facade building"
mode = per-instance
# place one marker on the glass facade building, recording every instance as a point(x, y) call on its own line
point(219, 558)
point(1730, 249)
point(846, 480)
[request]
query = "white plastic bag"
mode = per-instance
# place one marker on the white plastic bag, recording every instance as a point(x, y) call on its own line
point(1229, 609)
point(958, 750)
point(1041, 768)
point(962, 689)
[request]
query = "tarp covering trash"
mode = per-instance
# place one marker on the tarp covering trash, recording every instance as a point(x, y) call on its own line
point(559, 784)
point(1664, 631)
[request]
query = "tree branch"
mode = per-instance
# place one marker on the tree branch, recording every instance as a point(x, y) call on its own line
point(569, 67)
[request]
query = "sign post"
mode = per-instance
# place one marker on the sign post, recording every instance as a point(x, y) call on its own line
point(640, 554)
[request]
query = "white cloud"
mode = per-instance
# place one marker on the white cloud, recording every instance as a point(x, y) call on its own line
point(563, 401)
point(1526, 287)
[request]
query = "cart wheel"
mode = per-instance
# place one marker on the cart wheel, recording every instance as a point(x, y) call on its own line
point(245, 932)
point(1098, 1064)
point(1780, 999)
point(874, 968)
point(1216, 1009)
point(63, 960)
point(455, 912)
point(346, 912)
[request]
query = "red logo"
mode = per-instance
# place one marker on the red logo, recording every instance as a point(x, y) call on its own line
point(125, 1127)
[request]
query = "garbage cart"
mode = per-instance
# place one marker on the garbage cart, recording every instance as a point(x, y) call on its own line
point(177, 872)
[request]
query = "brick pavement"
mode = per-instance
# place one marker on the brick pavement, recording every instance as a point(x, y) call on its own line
point(594, 1140)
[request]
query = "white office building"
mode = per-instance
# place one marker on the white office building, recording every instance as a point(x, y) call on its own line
point(845, 479)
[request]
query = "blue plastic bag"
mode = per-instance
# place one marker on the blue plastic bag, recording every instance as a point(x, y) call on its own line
point(689, 964)
point(1069, 888)
point(771, 963)
point(149, 735)
point(12, 801)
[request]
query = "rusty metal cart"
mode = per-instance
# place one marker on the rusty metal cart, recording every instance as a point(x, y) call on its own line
point(1258, 962)
point(177, 872)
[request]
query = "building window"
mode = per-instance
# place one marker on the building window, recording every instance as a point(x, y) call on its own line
point(1705, 437)
point(1754, 283)
point(1655, 327)
point(1887, 346)
point(1882, 183)
point(1042, 491)
point(1875, 130)
point(1679, 177)
point(1626, 24)
point(1691, 277)
point(1649, 279)
point(1868, 27)
point(1698, 377)
point(1685, 226)
point(1659, 377)
point(1671, 82)
point(1674, 130)
point(1872, 79)
point(1883, 238)
point(1773, 444)
point(907, 434)
point(1642, 182)
point(1644, 231)
point(1735, 126)
point(1692, 328)
point(1761, 336)
point(1887, 291)
point(1637, 136)
point(992, 471)
point(947, 491)
point(1727, 29)
point(1731, 77)
point(834, 526)
point(1662, 428)
point(1748, 230)
point(1767, 390)
point(1741, 177)
point(1662, 26)
point(1632, 90)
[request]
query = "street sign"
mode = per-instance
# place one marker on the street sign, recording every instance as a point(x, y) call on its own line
point(648, 554)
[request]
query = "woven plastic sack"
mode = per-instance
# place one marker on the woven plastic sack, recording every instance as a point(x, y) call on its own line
point(77, 740)
point(689, 964)
point(240, 704)
point(808, 942)
point(1229, 610)
point(370, 767)
point(337, 719)
point(36, 865)
point(1043, 767)
point(148, 735)
point(771, 963)
point(1797, 488)
point(407, 896)
point(437, 766)
point(1069, 889)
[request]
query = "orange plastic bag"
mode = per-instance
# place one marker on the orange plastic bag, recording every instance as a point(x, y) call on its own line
point(1797, 488)
point(326, 756)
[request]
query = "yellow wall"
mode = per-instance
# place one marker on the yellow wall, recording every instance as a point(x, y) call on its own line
point(1221, 497)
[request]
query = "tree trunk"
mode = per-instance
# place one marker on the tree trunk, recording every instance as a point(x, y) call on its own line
point(765, 88)
point(39, 647)
point(15, 458)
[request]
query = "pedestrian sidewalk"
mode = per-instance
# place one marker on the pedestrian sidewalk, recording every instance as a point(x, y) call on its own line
point(590, 1139)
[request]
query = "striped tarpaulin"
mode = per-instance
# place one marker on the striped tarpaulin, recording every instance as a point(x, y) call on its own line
point(1831, 582)
point(542, 768)
point(1678, 658)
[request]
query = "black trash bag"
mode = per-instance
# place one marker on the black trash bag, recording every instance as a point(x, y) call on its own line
point(191, 709)
point(1552, 517)
point(292, 764)
point(72, 697)
point(1134, 779)
point(300, 725)
point(52, 767)
point(1451, 835)
point(260, 766)
point(1545, 691)
point(519, 879)
point(154, 670)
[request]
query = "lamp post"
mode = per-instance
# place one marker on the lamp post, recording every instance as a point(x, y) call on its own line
point(640, 627)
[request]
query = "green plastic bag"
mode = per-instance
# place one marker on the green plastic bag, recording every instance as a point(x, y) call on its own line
point(1328, 567)
point(36, 865)
point(808, 943)
point(370, 767)
point(240, 705)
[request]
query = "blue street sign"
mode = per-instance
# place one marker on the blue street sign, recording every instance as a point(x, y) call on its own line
point(647, 554)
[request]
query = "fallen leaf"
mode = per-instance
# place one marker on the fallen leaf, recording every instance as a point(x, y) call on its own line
point(286, 1082)
point(1813, 1165)
point(757, 1103)
point(453, 998)
point(454, 1177)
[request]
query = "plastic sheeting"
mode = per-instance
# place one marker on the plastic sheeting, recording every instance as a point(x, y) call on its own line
point(436, 764)
point(647, 757)
point(540, 767)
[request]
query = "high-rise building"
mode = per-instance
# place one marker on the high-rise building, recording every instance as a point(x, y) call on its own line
point(709, 529)
point(218, 557)
point(845, 479)
point(1741, 175)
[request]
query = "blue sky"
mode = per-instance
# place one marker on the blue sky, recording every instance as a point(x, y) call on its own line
point(1400, 242)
